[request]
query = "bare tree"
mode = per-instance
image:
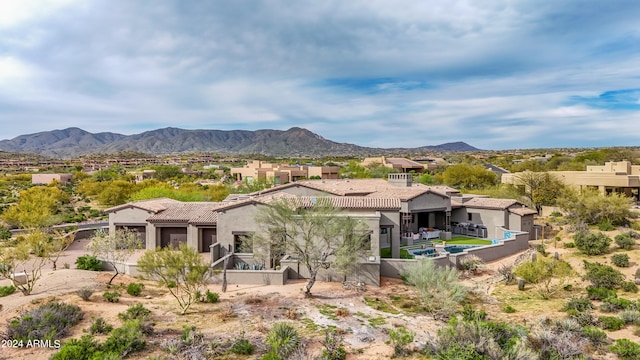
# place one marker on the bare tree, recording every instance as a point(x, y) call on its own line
point(314, 233)
point(115, 249)
point(28, 258)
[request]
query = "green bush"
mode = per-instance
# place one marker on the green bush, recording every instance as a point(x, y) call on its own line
point(579, 305)
point(242, 346)
point(135, 312)
point(7, 290)
point(606, 226)
point(592, 244)
point(570, 244)
point(620, 260)
point(603, 275)
point(629, 286)
point(595, 335)
point(211, 297)
point(126, 339)
point(625, 241)
point(599, 293)
point(626, 349)
point(111, 296)
point(134, 289)
point(400, 338)
point(88, 262)
point(283, 339)
point(100, 326)
point(77, 349)
point(612, 323)
point(50, 321)
point(630, 316)
point(614, 304)
point(333, 349)
point(509, 309)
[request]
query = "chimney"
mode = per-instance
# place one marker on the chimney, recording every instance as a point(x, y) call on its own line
point(400, 180)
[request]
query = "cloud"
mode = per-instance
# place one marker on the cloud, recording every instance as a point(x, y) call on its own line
point(497, 74)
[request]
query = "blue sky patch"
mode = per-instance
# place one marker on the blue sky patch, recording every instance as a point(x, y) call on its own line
point(611, 100)
point(376, 85)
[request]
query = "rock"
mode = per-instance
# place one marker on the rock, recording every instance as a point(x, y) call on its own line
point(148, 297)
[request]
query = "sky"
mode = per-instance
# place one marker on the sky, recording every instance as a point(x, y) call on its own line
point(499, 74)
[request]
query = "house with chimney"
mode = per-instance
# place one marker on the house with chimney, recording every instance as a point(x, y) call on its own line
point(393, 211)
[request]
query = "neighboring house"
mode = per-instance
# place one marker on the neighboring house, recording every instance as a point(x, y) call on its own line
point(390, 209)
point(49, 178)
point(400, 164)
point(619, 177)
point(282, 173)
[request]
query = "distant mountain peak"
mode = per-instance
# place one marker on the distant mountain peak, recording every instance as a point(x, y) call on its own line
point(296, 141)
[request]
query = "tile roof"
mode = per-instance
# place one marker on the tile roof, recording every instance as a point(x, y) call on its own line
point(197, 213)
point(365, 187)
point(522, 211)
point(489, 203)
point(153, 205)
point(404, 163)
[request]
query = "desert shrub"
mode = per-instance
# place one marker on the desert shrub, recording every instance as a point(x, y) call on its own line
point(135, 312)
point(578, 304)
point(547, 275)
point(509, 309)
point(596, 336)
point(242, 346)
point(583, 318)
point(7, 290)
point(88, 262)
point(507, 274)
point(620, 260)
point(599, 293)
point(470, 314)
point(475, 340)
point(603, 275)
point(135, 289)
point(541, 250)
point(85, 293)
point(570, 245)
point(614, 304)
point(400, 338)
point(50, 321)
point(283, 339)
point(624, 241)
point(100, 326)
point(630, 316)
point(77, 349)
point(472, 264)
point(111, 296)
point(612, 323)
point(126, 339)
point(629, 286)
point(558, 341)
point(333, 349)
point(592, 244)
point(211, 297)
point(626, 349)
point(606, 226)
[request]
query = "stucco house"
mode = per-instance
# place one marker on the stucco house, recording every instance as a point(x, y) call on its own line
point(390, 209)
point(614, 176)
point(49, 178)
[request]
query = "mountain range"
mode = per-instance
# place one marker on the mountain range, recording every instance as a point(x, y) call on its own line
point(73, 142)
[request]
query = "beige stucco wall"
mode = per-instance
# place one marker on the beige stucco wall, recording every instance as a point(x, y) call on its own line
point(133, 216)
point(426, 202)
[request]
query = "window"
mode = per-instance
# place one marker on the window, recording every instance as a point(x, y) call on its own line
point(469, 216)
point(241, 243)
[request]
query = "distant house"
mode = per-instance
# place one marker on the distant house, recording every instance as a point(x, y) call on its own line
point(49, 178)
point(612, 177)
point(282, 173)
point(400, 164)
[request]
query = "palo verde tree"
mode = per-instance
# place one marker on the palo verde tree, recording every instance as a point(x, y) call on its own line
point(35, 211)
point(28, 258)
point(541, 188)
point(591, 207)
point(115, 249)
point(315, 233)
point(468, 176)
point(183, 271)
